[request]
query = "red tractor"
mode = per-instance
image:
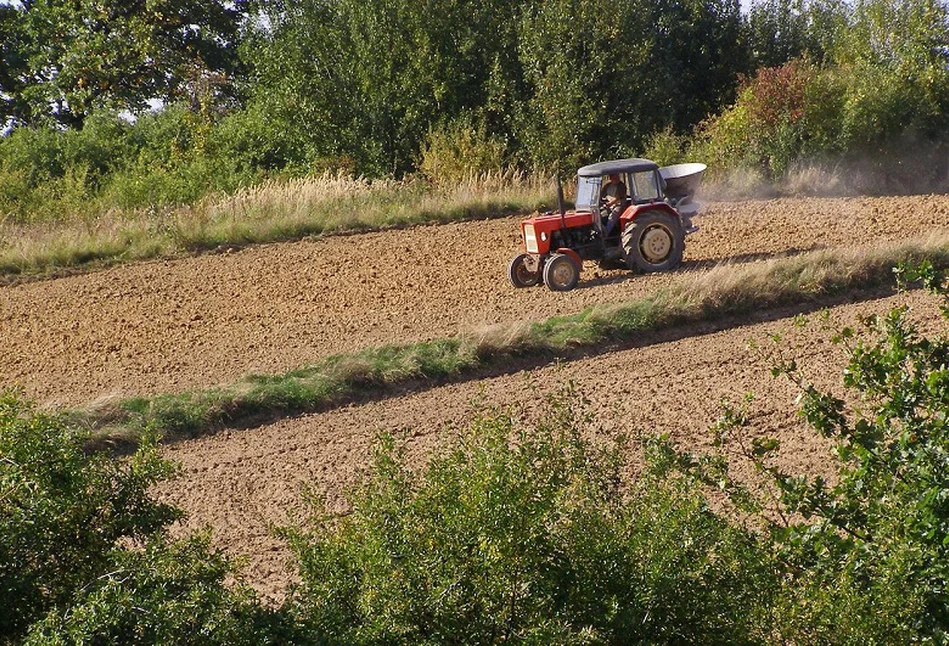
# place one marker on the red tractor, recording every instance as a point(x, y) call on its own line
point(627, 211)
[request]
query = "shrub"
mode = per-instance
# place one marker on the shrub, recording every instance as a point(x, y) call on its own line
point(64, 512)
point(879, 91)
point(170, 592)
point(765, 129)
point(665, 147)
point(84, 557)
point(865, 555)
point(525, 533)
point(169, 157)
point(458, 152)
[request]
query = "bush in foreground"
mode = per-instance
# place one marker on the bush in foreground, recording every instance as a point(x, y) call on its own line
point(865, 555)
point(84, 555)
point(170, 592)
point(64, 512)
point(525, 534)
point(871, 556)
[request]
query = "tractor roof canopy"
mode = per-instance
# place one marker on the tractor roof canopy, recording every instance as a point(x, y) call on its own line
point(633, 165)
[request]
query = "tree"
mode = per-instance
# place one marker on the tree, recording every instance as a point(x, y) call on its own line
point(63, 59)
point(549, 81)
point(586, 65)
point(169, 592)
point(604, 76)
point(368, 80)
point(698, 52)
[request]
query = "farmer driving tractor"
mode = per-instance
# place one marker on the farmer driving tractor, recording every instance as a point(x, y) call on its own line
point(626, 210)
point(614, 196)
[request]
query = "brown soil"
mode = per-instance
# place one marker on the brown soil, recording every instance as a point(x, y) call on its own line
point(243, 482)
point(194, 322)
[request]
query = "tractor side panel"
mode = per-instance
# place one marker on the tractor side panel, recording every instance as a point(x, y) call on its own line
point(634, 210)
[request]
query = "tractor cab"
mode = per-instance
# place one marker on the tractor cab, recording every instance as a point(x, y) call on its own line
point(640, 176)
point(640, 181)
point(628, 211)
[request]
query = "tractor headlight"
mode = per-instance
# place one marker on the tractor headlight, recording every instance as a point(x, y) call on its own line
point(530, 238)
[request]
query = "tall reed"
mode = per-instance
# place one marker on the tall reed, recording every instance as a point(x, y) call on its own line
point(272, 211)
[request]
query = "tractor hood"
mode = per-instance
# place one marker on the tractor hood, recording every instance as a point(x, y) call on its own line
point(551, 221)
point(538, 231)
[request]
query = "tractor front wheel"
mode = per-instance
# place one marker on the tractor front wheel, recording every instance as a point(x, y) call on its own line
point(653, 242)
point(561, 273)
point(524, 270)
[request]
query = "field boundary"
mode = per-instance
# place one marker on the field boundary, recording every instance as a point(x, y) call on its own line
point(718, 294)
point(271, 213)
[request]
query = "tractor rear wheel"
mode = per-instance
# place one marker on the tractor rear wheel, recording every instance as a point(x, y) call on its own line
point(654, 241)
point(561, 273)
point(524, 270)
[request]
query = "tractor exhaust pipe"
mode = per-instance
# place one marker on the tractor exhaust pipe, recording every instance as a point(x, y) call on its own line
point(560, 206)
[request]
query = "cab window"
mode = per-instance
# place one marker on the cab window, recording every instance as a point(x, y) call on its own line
point(588, 193)
point(645, 187)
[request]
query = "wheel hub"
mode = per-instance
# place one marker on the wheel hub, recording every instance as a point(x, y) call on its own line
point(562, 274)
point(527, 269)
point(656, 244)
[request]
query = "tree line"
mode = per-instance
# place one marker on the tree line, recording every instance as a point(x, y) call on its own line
point(384, 88)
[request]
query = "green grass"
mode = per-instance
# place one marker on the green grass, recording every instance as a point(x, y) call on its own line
point(723, 291)
point(270, 212)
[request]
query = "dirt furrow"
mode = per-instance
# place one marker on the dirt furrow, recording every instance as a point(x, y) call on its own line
point(199, 321)
point(242, 482)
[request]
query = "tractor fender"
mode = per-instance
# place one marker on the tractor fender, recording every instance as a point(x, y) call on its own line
point(630, 214)
point(573, 255)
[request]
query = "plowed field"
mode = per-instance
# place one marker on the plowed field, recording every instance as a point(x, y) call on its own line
point(199, 321)
point(241, 482)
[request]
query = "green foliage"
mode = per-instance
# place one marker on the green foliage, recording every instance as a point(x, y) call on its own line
point(618, 72)
point(377, 77)
point(84, 555)
point(302, 53)
point(169, 157)
point(780, 31)
point(864, 554)
point(50, 173)
point(554, 81)
point(64, 60)
point(458, 152)
point(881, 534)
point(170, 592)
point(697, 51)
point(665, 147)
point(524, 533)
point(63, 512)
point(879, 86)
point(767, 128)
point(387, 89)
point(585, 95)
